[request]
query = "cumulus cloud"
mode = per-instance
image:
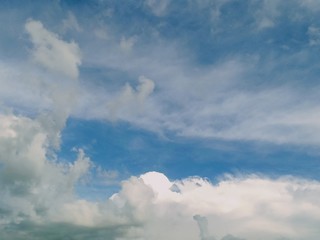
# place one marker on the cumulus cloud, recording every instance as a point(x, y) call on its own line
point(52, 52)
point(250, 207)
point(38, 197)
point(31, 185)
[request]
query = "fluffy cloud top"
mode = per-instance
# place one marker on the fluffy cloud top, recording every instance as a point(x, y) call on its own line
point(53, 53)
point(38, 195)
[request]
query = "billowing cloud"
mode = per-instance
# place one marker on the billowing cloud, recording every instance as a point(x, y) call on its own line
point(38, 196)
point(250, 207)
point(51, 52)
point(30, 183)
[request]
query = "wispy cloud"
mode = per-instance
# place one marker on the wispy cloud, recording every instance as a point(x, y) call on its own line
point(51, 52)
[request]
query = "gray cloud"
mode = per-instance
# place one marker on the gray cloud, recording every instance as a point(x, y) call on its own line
point(203, 227)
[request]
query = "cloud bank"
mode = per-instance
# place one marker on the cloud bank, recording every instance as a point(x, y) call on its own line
point(39, 200)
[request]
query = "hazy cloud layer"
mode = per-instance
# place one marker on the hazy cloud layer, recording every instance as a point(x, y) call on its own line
point(264, 92)
point(256, 88)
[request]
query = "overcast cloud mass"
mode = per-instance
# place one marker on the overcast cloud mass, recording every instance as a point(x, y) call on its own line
point(211, 90)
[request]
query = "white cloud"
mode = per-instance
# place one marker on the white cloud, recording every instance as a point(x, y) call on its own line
point(35, 186)
point(222, 100)
point(41, 191)
point(27, 89)
point(249, 207)
point(53, 53)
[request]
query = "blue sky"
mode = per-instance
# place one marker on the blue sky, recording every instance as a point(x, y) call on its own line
point(140, 119)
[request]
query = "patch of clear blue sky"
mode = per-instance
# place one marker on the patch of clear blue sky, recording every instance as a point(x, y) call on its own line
point(133, 151)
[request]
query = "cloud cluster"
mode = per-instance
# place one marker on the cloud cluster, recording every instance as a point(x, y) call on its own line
point(39, 201)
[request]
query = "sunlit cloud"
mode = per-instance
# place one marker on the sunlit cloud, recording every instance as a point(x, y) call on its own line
point(198, 72)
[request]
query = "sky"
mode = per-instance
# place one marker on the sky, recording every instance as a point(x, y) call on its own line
point(159, 120)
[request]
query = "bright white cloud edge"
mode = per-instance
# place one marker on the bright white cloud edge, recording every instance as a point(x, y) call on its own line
point(42, 191)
